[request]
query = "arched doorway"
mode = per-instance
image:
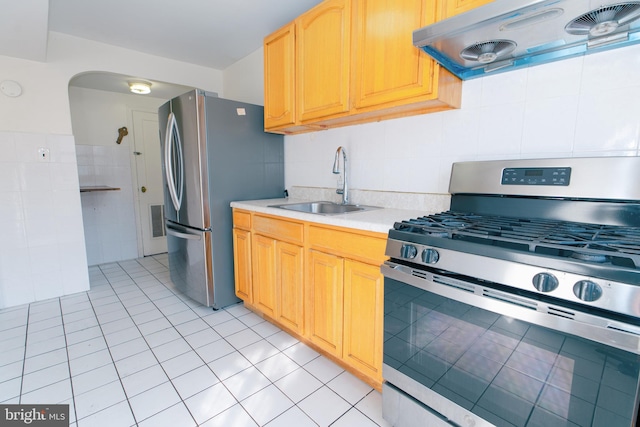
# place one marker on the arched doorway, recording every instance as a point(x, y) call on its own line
point(125, 223)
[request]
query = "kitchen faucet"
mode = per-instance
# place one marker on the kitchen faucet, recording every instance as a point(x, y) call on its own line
point(336, 170)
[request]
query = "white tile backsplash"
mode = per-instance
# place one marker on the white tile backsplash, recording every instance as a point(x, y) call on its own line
point(27, 145)
point(585, 106)
point(506, 88)
point(562, 78)
point(41, 217)
point(9, 176)
point(7, 147)
point(549, 126)
point(608, 120)
point(614, 69)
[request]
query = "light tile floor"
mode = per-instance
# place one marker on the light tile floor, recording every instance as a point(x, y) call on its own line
point(133, 351)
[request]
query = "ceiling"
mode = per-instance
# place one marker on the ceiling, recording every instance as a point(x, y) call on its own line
point(210, 33)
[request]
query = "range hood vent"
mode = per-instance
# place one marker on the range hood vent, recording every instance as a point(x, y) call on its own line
point(508, 34)
point(486, 52)
point(605, 20)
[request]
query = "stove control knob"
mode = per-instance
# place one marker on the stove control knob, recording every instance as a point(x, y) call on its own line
point(430, 256)
point(408, 251)
point(545, 282)
point(587, 290)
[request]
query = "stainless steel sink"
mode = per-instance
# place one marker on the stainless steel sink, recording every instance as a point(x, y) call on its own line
point(323, 208)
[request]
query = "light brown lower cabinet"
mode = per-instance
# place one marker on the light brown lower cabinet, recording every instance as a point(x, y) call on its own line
point(363, 317)
point(242, 270)
point(277, 277)
point(321, 283)
point(289, 285)
point(263, 266)
point(344, 310)
point(324, 302)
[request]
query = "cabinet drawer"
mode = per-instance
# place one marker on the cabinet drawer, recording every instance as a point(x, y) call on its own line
point(242, 219)
point(364, 247)
point(280, 229)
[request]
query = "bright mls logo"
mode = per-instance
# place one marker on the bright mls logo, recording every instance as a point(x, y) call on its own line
point(34, 415)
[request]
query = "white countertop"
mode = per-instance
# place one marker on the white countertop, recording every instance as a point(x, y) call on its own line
point(378, 220)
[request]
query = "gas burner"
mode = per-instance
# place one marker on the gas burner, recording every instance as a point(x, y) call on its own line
point(589, 243)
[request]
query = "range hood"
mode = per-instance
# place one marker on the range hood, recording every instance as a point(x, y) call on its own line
point(508, 34)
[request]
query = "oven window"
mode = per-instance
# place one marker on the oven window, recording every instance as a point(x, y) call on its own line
point(506, 371)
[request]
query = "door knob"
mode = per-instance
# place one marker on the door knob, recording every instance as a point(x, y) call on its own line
point(143, 189)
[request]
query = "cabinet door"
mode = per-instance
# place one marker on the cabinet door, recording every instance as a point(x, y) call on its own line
point(322, 57)
point(264, 275)
point(454, 7)
point(289, 285)
point(363, 313)
point(324, 301)
point(389, 67)
point(242, 264)
point(279, 78)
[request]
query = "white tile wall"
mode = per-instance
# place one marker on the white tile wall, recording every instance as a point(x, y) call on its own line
point(42, 246)
point(588, 106)
point(109, 216)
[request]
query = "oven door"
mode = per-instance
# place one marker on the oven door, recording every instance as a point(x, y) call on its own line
point(459, 351)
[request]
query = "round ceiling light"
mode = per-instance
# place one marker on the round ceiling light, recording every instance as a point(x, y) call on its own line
point(141, 88)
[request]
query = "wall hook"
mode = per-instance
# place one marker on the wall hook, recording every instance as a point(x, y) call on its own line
point(122, 132)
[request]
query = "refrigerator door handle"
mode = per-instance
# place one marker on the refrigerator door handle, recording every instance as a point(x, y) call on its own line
point(174, 232)
point(173, 151)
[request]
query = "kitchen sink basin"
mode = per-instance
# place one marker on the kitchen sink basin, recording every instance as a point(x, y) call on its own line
point(323, 208)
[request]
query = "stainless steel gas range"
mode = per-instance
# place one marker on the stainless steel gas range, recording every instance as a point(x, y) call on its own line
point(519, 306)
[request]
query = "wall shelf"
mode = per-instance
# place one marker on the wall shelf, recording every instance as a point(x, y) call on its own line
point(86, 189)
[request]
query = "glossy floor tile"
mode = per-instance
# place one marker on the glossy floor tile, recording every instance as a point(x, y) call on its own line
point(134, 351)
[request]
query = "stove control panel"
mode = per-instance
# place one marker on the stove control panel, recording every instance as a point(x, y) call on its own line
point(536, 176)
point(576, 288)
point(428, 255)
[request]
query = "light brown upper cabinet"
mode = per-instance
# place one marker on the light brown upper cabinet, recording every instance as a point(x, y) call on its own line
point(279, 77)
point(354, 63)
point(454, 7)
point(389, 70)
point(322, 59)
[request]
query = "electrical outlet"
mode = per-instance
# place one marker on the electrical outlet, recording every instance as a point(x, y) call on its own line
point(43, 154)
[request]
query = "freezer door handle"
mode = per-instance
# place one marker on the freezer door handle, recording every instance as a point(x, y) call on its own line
point(183, 235)
point(173, 162)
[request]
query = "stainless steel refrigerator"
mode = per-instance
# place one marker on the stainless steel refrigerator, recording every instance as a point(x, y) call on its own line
point(214, 151)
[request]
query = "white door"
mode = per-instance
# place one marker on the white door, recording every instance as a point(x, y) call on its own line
point(149, 171)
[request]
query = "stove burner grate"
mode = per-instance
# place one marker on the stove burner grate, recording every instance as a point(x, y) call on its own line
point(594, 243)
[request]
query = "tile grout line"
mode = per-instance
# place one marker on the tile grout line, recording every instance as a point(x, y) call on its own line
point(110, 355)
point(24, 355)
point(93, 308)
point(66, 348)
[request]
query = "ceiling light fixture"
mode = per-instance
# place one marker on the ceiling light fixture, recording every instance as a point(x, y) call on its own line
point(141, 88)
